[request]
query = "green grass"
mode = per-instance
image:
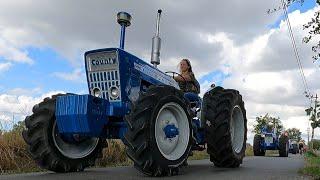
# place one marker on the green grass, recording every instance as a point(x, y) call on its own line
point(312, 165)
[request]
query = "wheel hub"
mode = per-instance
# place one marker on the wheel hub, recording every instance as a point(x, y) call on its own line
point(171, 131)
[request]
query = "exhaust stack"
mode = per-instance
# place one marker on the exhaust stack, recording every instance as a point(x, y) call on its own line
point(156, 43)
point(123, 19)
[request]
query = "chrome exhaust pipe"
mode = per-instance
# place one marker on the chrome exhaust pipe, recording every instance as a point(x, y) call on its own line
point(156, 43)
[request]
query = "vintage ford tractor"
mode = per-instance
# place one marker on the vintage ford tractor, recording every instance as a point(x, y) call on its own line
point(131, 100)
point(269, 140)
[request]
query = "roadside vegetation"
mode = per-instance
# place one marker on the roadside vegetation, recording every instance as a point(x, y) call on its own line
point(14, 157)
point(312, 165)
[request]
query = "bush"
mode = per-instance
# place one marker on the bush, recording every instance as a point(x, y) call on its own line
point(114, 155)
point(316, 143)
point(14, 157)
point(13, 153)
point(249, 150)
point(312, 165)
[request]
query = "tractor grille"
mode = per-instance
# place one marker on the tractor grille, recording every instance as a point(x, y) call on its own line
point(104, 81)
point(103, 75)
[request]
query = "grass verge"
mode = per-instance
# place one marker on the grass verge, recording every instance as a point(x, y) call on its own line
point(312, 165)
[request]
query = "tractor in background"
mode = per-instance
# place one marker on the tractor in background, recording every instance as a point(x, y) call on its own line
point(269, 140)
point(294, 147)
point(132, 100)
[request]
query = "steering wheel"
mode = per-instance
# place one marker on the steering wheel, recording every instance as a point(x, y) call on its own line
point(183, 84)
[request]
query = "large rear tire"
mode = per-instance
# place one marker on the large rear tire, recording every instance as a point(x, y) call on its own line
point(50, 150)
point(283, 146)
point(152, 153)
point(257, 151)
point(224, 116)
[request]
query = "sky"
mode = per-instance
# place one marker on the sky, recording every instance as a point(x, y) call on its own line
point(234, 44)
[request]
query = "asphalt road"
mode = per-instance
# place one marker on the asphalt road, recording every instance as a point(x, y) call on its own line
point(271, 167)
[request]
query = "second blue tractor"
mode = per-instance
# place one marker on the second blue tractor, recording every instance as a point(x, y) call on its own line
point(269, 140)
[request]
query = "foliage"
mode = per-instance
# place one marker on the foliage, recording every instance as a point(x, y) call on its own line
point(315, 143)
point(314, 113)
point(294, 133)
point(14, 157)
point(312, 165)
point(262, 121)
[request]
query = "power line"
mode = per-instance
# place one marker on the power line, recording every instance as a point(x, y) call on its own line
point(296, 53)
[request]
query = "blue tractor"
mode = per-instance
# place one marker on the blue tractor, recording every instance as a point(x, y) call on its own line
point(132, 100)
point(269, 140)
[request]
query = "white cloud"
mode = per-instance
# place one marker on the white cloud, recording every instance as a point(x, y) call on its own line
point(14, 108)
point(265, 72)
point(5, 66)
point(77, 75)
point(13, 53)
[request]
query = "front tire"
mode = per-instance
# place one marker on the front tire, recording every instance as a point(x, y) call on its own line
point(225, 122)
point(147, 145)
point(50, 150)
point(257, 151)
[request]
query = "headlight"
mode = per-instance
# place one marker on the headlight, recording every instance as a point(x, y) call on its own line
point(96, 92)
point(114, 92)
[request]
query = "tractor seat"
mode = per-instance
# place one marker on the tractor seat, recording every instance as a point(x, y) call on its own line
point(193, 98)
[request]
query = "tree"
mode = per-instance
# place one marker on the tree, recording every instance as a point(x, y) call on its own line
point(313, 26)
point(262, 121)
point(314, 113)
point(294, 133)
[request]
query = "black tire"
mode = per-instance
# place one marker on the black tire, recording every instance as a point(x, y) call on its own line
point(217, 109)
point(283, 146)
point(257, 151)
point(140, 139)
point(41, 146)
point(295, 149)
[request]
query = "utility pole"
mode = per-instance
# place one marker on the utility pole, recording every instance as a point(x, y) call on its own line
point(315, 112)
point(314, 119)
point(308, 131)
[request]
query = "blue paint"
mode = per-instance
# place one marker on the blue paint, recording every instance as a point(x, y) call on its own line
point(269, 133)
point(171, 131)
point(135, 75)
point(81, 114)
point(122, 36)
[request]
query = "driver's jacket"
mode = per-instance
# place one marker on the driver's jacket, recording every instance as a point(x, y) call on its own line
point(190, 86)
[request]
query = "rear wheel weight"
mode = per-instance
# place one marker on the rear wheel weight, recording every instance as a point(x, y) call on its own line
point(225, 121)
point(152, 153)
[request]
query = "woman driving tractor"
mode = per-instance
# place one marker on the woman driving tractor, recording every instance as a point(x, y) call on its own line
point(187, 80)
